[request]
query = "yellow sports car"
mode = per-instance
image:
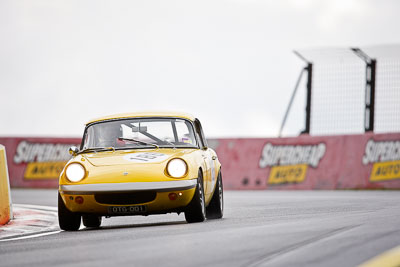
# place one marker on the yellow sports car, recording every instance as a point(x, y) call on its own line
point(140, 164)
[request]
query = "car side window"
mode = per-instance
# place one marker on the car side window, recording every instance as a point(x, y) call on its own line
point(200, 134)
point(183, 132)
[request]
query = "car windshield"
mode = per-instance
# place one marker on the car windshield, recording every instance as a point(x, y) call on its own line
point(140, 133)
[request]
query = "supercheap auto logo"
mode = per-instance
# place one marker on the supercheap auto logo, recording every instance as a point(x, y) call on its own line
point(289, 163)
point(44, 160)
point(385, 156)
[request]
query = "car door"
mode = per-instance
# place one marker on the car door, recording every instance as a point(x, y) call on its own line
point(208, 157)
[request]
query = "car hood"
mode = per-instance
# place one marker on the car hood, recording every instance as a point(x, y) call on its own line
point(129, 157)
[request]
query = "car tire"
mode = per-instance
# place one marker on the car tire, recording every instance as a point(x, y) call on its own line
point(68, 220)
point(215, 209)
point(91, 221)
point(196, 210)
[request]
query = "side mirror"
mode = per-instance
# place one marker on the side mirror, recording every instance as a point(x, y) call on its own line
point(73, 150)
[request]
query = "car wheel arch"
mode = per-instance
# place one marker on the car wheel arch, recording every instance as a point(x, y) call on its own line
point(202, 174)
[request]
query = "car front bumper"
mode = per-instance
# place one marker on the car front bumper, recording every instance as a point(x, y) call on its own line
point(154, 196)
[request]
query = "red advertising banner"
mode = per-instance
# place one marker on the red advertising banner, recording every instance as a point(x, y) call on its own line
point(366, 161)
point(37, 162)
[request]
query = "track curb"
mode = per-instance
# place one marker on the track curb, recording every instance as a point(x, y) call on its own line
point(30, 221)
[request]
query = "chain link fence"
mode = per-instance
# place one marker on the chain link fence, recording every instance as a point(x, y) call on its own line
point(387, 97)
point(339, 90)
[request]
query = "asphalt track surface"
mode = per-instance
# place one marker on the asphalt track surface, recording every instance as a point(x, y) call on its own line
point(260, 228)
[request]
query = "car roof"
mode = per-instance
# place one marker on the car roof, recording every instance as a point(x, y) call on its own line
point(163, 114)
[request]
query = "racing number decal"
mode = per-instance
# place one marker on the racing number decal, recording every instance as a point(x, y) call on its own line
point(146, 157)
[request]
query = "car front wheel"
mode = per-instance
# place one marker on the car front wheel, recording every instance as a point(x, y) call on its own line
point(68, 221)
point(91, 221)
point(196, 210)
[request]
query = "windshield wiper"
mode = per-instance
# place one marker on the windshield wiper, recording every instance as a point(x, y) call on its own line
point(96, 149)
point(172, 144)
point(137, 141)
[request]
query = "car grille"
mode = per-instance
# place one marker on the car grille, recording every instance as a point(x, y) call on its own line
point(125, 198)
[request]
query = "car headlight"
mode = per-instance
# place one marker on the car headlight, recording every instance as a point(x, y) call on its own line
point(75, 172)
point(177, 168)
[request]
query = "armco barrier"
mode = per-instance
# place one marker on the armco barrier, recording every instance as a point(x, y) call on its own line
point(5, 197)
point(37, 162)
point(366, 161)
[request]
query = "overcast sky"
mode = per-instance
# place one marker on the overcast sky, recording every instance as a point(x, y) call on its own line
point(230, 63)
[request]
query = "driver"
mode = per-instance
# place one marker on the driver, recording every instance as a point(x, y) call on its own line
point(108, 136)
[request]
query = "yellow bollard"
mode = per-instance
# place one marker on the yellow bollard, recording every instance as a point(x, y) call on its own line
point(5, 196)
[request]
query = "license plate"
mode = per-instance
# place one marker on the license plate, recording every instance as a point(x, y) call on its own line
point(128, 210)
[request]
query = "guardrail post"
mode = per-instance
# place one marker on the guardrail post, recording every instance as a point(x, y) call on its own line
point(370, 74)
point(309, 69)
point(309, 89)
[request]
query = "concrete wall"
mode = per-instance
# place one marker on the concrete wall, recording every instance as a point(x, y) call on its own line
point(364, 161)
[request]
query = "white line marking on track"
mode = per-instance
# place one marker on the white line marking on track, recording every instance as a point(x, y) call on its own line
point(39, 207)
point(30, 236)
